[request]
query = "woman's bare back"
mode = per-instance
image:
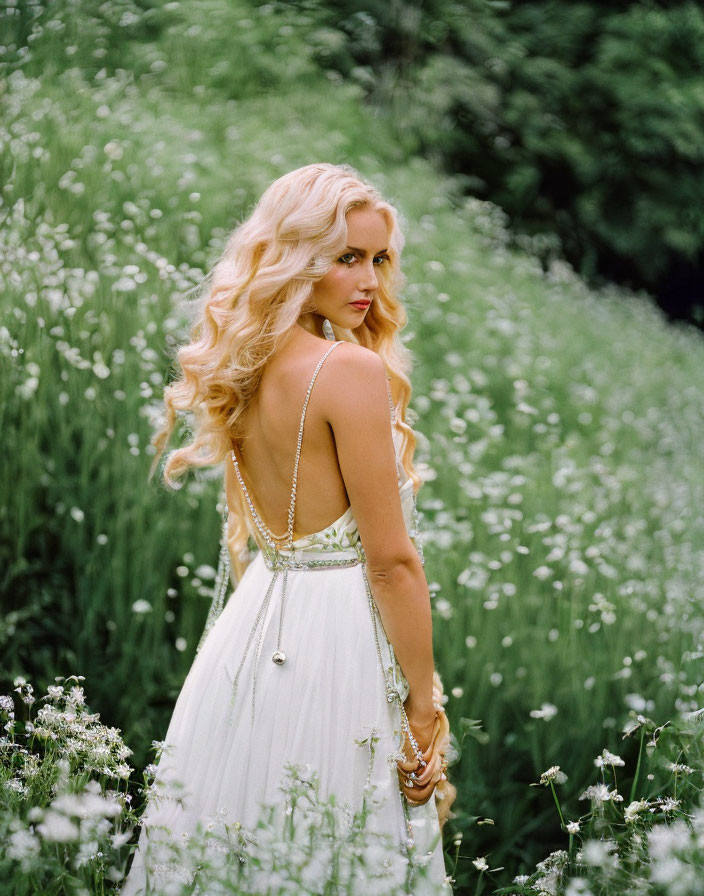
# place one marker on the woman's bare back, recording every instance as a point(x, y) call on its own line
point(267, 450)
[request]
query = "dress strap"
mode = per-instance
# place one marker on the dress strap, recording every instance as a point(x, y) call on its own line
point(294, 484)
point(392, 409)
point(269, 537)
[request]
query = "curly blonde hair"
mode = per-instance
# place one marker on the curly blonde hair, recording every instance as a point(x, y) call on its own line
point(251, 299)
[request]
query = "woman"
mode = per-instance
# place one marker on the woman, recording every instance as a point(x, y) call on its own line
point(322, 659)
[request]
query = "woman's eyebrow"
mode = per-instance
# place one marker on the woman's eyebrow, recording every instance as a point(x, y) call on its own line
point(363, 252)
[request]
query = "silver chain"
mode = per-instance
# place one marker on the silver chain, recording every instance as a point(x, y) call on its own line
point(391, 692)
point(266, 532)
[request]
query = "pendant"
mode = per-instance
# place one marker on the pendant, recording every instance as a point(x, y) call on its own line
point(278, 657)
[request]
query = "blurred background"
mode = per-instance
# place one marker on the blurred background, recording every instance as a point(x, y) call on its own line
point(548, 162)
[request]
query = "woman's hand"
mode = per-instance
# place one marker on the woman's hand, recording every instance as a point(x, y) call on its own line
point(418, 784)
point(431, 730)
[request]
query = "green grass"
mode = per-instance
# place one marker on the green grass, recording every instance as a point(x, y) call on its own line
point(560, 428)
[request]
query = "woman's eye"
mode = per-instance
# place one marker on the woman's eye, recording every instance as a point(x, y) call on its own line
point(380, 259)
point(347, 258)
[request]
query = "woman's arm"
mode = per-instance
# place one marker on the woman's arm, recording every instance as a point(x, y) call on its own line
point(357, 406)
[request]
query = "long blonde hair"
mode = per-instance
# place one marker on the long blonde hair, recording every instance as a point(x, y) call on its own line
point(251, 299)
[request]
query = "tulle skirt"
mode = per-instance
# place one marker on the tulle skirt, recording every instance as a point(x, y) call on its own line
point(249, 737)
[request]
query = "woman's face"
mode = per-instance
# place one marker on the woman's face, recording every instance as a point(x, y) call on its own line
point(345, 293)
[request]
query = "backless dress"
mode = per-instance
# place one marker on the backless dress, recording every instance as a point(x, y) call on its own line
point(295, 672)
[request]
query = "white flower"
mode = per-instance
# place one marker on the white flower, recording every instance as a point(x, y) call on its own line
point(664, 839)
point(631, 811)
point(600, 794)
point(633, 725)
point(56, 827)
point(553, 774)
point(572, 827)
point(141, 606)
point(480, 864)
point(608, 758)
point(678, 768)
point(546, 711)
point(600, 853)
point(22, 846)
point(669, 804)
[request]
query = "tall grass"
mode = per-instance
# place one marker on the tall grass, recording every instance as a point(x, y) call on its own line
point(561, 428)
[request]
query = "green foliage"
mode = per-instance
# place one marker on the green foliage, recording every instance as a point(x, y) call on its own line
point(63, 829)
point(623, 844)
point(583, 122)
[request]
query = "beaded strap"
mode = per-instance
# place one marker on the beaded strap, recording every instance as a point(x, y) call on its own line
point(266, 532)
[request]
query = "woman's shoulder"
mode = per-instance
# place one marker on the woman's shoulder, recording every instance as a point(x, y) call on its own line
point(351, 356)
point(354, 377)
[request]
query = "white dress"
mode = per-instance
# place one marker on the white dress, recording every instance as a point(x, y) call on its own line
point(327, 712)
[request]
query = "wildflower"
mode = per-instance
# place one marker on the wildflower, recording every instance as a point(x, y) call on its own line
point(546, 711)
point(480, 864)
point(600, 794)
point(631, 811)
point(663, 840)
point(608, 758)
point(632, 725)
point(77, 696)
point(57, 828)
point(23, 846)
point(600, 853)
point(677, 768)
point(26, 692)
point(572, 827)
point(141, 606)
point(668, 803)
point(553, 774)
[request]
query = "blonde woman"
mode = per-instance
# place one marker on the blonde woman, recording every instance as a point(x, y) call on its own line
point(322, 656)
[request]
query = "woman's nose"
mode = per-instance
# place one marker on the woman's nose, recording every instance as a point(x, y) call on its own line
point(368, 279)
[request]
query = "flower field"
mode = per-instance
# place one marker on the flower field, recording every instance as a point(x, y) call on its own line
point(560, 434)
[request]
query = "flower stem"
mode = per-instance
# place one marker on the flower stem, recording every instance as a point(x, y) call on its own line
point(557, 803)
point(640, 756)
